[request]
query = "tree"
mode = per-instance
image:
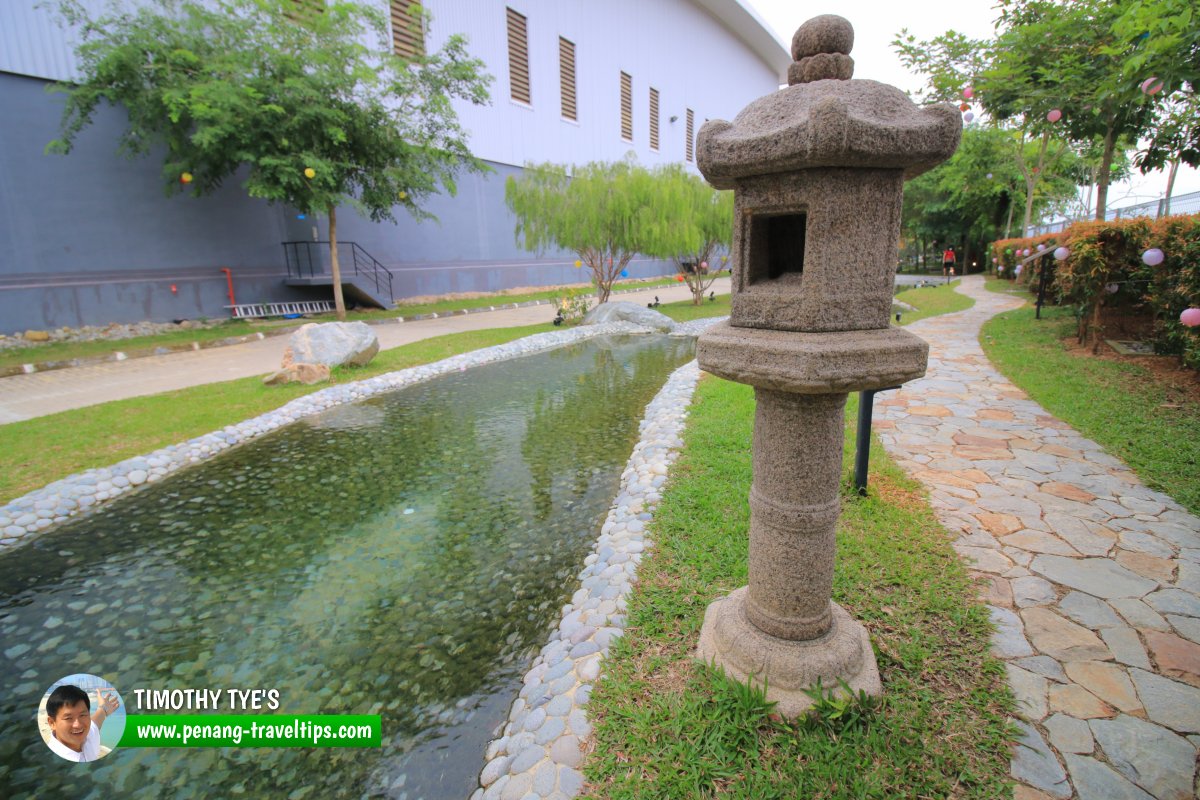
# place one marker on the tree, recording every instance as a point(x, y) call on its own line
point(307, 98)
point(968, 199)
point(690, 221)
point(1048, 56)
point(1176, 139)
point(1161, 43)
point(602, 213)
point(951, 62)
point(1059, 56)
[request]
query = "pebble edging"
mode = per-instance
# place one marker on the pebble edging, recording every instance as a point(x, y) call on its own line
point(26, 516)
point(538, 754)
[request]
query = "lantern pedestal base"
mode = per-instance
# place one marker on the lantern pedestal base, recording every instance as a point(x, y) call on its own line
point(729, 640)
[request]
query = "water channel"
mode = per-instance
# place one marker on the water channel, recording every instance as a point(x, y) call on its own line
point(404, 556)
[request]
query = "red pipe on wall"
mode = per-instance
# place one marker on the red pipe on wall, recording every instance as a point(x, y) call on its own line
point(229, 280)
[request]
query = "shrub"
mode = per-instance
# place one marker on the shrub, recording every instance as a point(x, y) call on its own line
point(1105, 269)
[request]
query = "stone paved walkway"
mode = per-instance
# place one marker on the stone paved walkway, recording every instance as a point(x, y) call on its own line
point(1093, 579)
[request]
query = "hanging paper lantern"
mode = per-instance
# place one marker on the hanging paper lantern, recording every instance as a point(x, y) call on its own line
point(578, 263)
point(185, 177)
point(1000, 269)
point(1112, 288)
point(968, 92)
point(1153, 257)
point(679, 279)
point(1041, 247)
point(1018, 270)
point(309, 172)
point(1025, 252)
point(989, 176)
point(1054, 116)
point(968, 117)
point(624, 273)
point(964, 107)
point(995, 261)
point(1061, 253)
point(703, 265)
point(403, 195)
point(1152, 86)
point(1190, 317)
point(1008, 251)
point(724, 259)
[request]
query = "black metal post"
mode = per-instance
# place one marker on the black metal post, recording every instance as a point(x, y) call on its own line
point(862, 443)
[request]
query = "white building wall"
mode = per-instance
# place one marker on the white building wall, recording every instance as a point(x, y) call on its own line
point(676, 46)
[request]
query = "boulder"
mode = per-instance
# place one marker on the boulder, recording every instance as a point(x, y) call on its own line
point(37, 336)
point(332, 344)
point(298, 373)
point(629, 312)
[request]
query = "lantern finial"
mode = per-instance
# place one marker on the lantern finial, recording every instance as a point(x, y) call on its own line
point(821, 50)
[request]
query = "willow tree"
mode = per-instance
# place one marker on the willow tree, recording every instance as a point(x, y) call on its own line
point(599, 212)
point(688, 222)
point(307, 98)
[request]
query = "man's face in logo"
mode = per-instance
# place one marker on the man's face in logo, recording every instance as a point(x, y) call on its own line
point(72, 724)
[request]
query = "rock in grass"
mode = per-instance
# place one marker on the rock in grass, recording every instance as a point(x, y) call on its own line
point(629, 312)
point(332, 344)
point(298, 373)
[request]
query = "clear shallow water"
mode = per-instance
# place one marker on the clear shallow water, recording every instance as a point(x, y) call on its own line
point(402, 556)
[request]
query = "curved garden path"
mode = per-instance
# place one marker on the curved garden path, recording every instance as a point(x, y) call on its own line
point(1093, 579)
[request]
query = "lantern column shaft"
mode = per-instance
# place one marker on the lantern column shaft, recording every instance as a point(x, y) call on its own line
point(794, 509)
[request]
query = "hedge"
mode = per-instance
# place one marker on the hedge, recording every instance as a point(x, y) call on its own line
point(1105, 269)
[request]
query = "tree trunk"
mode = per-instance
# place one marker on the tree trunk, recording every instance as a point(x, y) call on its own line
point(1170, 188)
point(604, 279)
point(1031, 180)
point(1110, 146)
point(1096, 329)
point(1008, 223)
point(339, 302)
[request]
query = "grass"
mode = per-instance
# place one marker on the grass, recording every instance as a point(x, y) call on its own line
point(666, 726)
point(44, 449)
point(932, 301)
point(412, 309)
point(1152, 425)
point(1001, 286)
point(67, 351)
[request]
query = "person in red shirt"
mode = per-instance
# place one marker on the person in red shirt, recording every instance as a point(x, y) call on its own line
point(948, 260)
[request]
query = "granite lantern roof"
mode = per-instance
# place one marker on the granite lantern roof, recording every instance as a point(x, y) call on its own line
point(825, 119)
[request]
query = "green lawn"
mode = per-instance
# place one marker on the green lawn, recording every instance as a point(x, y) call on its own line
point(66, 351)
point(932, 301)
point(668, 727)
point(1152, 427)
point(44, 449)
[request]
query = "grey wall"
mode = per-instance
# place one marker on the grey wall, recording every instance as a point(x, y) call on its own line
point(91, 238)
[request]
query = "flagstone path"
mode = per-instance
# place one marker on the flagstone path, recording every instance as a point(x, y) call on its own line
point(1093, 579)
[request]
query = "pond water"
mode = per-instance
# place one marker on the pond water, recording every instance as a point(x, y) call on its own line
point(404, 556)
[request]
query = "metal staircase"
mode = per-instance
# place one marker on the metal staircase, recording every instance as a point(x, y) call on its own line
point(364, 278)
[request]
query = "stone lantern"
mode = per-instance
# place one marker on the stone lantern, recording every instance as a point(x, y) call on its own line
point(817, 171)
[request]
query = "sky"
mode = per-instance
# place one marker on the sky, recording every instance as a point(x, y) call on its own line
point(876, 23)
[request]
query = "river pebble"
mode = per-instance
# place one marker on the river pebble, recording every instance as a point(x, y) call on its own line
point(559, 683)
point(84, 492)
